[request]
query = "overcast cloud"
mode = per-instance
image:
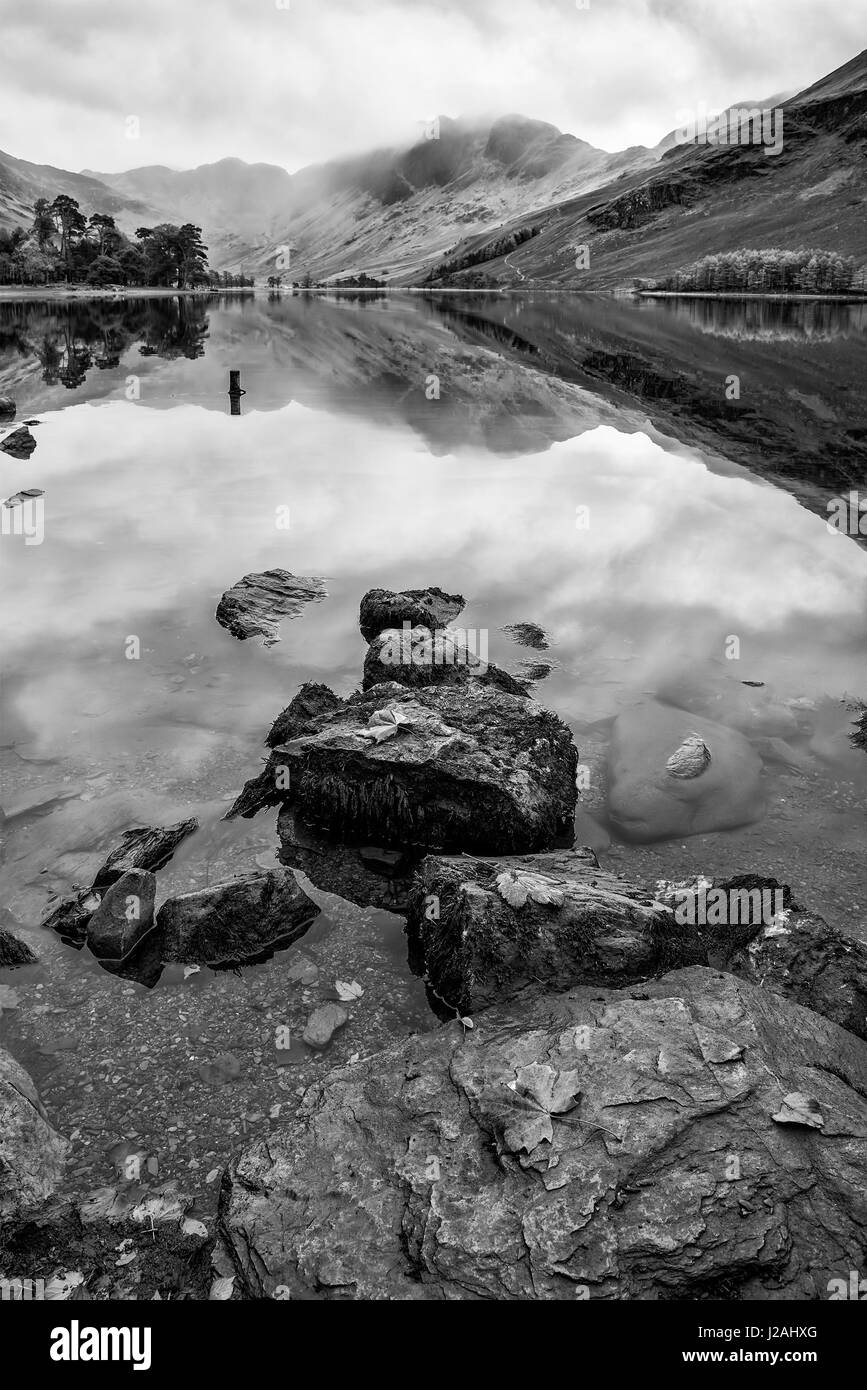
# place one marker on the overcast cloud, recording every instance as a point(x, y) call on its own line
point(319, 78)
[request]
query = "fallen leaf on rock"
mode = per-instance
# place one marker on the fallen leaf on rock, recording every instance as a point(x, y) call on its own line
point(105, 1204)
point(62, 1285)
point(191, 1227)
point(221, 1289)
point(516, 888)
point(547, 1093)
point(384, 724)
point(162, 1204)
point(800, 1109)
point(348, 992)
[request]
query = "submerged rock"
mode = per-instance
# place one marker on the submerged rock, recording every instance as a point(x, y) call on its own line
point(19, 443)
point(589, 1144)
point(235, 921)
point(323, 1023)
point(672, 774)
point(691, 759)
point(258, 603)
point(148, 848)
point(465, 767)
point(416, 656)
point(14, 952)
point(39, 799)
point(124, 916)
point(430, 608)
point(750, 706)
point(32, 1154)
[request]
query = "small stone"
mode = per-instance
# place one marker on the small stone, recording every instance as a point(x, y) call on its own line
point(323, 1023)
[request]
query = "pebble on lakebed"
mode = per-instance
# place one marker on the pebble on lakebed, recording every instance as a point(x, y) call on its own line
point(323, 1023)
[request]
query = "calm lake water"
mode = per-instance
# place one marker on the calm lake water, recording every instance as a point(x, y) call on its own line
point(462, 442)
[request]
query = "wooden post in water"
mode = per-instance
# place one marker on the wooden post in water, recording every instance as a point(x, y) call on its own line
point(235, 393)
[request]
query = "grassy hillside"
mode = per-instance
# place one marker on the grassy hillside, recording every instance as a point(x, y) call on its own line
point(21, 183)
point(702, 198)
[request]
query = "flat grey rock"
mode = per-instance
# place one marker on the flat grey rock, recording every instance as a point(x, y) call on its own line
point(258, 603)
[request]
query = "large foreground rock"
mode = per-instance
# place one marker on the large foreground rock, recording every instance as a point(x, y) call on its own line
point(235, 921)
point(600, 1144)
point(258, 603)
point(442, 768)
point(430, 608)
point(32, 1154)
point(673, 773)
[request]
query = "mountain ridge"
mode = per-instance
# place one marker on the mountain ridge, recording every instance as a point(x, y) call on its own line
point(472, 188)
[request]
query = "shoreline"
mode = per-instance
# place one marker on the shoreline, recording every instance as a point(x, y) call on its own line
point(62, 293)
point(742, 295)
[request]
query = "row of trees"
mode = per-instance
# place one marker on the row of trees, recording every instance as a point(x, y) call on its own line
point(769, 271)
point(491, 251)
point(62, 245)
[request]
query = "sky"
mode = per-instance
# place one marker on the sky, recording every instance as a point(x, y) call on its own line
point(115, 84)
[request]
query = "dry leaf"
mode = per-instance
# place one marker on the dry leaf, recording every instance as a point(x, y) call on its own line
point(545, 1092)
point(516, 888)
point(61, 1286)
point(222, 1289)
point(191, 1227)
point(347, 993)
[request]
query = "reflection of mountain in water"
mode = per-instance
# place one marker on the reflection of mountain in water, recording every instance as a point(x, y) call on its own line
point(769, 321)
point(505, 368)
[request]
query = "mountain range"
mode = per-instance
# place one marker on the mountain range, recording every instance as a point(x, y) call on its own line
point(511, 197)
